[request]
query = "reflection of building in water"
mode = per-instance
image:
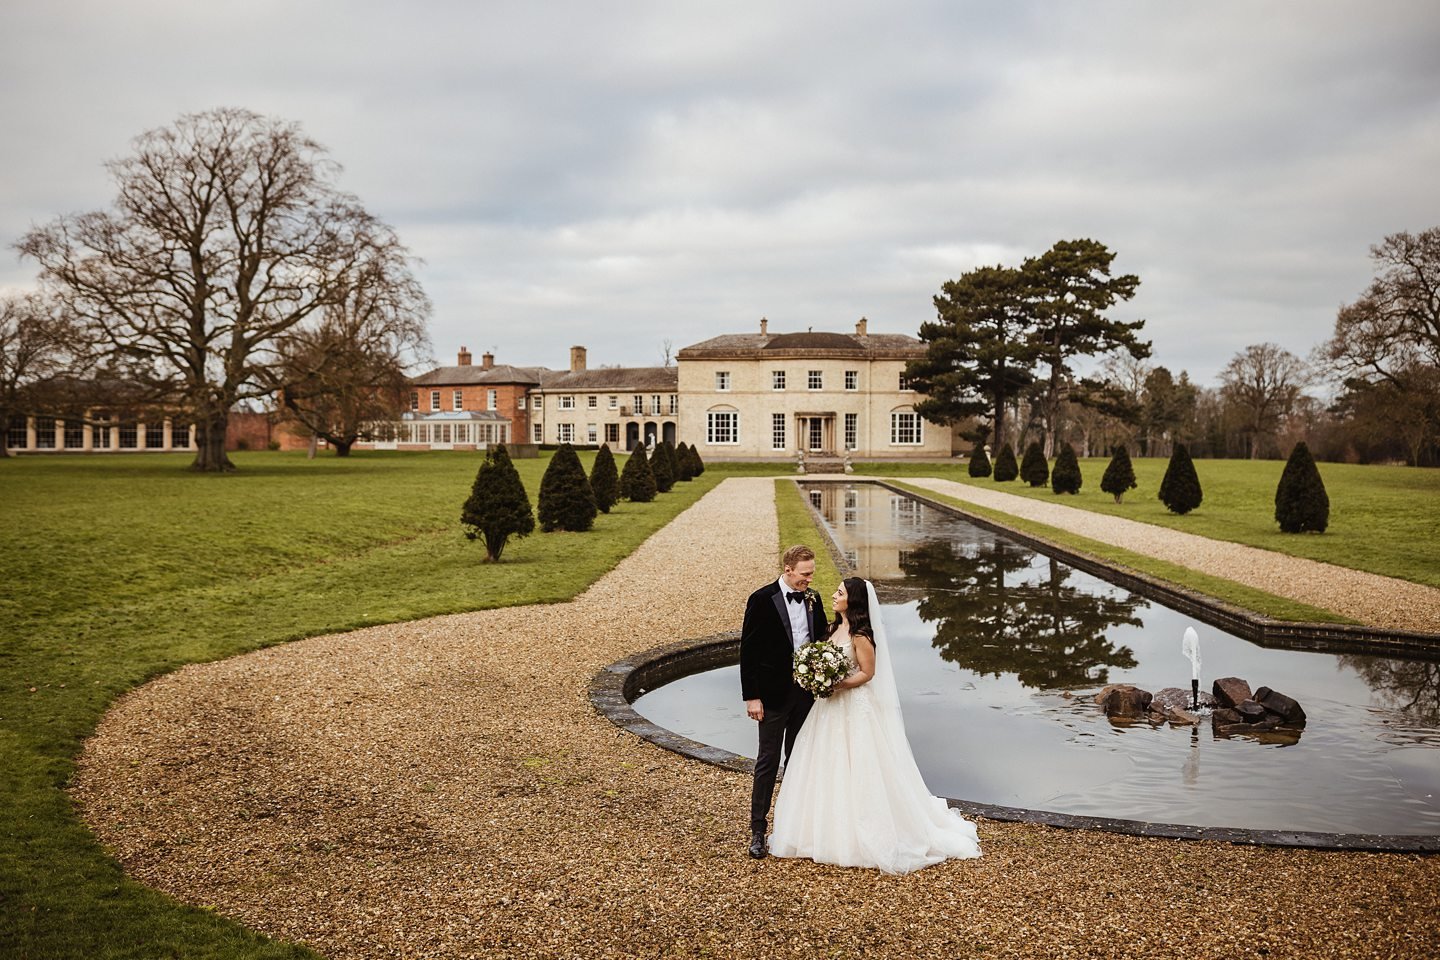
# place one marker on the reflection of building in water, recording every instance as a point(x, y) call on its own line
point(890, 521)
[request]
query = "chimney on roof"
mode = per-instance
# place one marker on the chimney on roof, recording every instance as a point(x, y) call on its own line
point(764, 324)
point(464, 358)
point(860, 327)
point(577, 359)
point(487, 360)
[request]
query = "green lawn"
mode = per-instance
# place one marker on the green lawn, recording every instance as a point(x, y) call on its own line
point(119, 568)
point(1383, 520)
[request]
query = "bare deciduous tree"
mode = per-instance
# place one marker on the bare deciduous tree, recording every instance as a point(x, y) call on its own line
point(227, 235)
point(39, 349)
point(1262, 384)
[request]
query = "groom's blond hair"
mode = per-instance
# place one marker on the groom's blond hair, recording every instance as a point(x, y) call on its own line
point(796, 554)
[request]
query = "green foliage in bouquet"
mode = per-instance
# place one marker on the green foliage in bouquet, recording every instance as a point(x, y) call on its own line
point(566, 500)
point(1119, 474)
point(1033, 468)
point(498, 507)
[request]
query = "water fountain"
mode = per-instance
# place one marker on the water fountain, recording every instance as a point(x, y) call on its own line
point(1190, 647)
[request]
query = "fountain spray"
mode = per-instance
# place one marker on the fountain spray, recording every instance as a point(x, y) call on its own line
point(1190, 647)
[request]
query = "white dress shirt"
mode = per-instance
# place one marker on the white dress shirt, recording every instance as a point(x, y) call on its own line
point(799, 615)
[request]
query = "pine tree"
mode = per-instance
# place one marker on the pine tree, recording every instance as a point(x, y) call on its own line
point(699, 465)
point(1034, 470)
point(498, 507)
point(1066, 476)
point(1301, 503)
point(1006, 469)
point(604, 479)
point(637, 482)
point(1119, 474)
point(979, 462)
point(684, 466)
point(663, 467)
point(1180, 490)
point(566, 500)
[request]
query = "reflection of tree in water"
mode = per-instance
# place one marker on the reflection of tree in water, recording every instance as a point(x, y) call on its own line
point(994, 615)
point(1411, 687)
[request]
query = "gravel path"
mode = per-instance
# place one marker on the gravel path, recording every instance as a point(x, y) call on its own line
point(443, 788)
point(1365, 597)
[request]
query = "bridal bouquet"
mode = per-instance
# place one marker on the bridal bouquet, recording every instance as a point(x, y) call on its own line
point(819, 666)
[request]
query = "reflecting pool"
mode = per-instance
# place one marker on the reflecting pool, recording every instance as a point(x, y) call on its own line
point(994, 644)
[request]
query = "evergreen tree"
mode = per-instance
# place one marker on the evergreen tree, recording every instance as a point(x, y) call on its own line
point(699, 465)
point(498, 507)
point(1006, 469)
point(684, 466)
point(1301, 503)
point(979, 462)
point(637, 482)
point(566, 500)
point(662, 464)
point(1033, 468)
point(1066, 476)
point(605, 479)
point(1180, 490)
point(1119, 475)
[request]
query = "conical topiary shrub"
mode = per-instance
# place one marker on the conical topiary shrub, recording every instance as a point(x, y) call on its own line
point(1301, 503)
point(566, 500)
point(1119, 474)
point(1033, 468)
point(604, 479)
point(697, 465)
point(1066, 476)
point(979, 462)
point(637, 483)
point(498, 507)
point(1006, 469)
point(1180, 490)
point(663, 466)
point(684, 466)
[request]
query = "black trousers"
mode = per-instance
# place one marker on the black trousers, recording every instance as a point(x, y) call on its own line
point(780, 727)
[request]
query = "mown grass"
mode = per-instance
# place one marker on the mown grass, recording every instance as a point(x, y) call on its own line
point(1383, 520)
point(119, 568)
point(797, 525)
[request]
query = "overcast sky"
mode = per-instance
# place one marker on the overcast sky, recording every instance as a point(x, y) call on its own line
point(622, 174)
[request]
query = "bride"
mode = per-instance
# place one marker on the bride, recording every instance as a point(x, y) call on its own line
point(852, 794)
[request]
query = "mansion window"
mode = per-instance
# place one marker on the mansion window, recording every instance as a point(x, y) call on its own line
point(457, 399)
point(102, 434)
point(434, 399)
point(154, 436)
point(777, 379)
point(722, 426)
point(655, 404)
point(722, 380)
point(520, 402)
point(777, 431)
point(904, 428)
point(637, 405)
point(614, 403)
point(74, 434)
point(565, 432)
point(180, 435)
point(415, 400)
point(129, 435)
point(16, 437)
point(44, 433)
point(612, 431)
point(592, 433)
point(492, 400)
point(674, 404)
point(815, 380)
point(592, 402)
point(852, 379)
point(535, 432)
point(567, 403)
point(905, 382)
point(852, 428)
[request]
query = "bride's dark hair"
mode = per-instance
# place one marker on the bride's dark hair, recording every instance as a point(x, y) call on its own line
point(857, 608)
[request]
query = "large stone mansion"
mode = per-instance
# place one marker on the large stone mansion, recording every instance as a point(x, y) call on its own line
point(741, 395)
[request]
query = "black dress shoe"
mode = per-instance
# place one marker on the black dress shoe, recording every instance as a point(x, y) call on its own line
point(757, 846)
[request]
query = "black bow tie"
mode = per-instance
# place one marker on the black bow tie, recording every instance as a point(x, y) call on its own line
point(794, 597)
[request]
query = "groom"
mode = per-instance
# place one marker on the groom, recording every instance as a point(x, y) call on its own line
point(779, 617)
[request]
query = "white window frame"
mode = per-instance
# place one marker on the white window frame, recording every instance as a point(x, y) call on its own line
point(655, 404)
point(777, 431)
point(777, 379)
point(674, 404)
point(722, 381)
point(852, 431)
point(592, 433)
point(899, 417)
point(612, 432)
point(852, 379)
point(434, 400)
point(520, 402)
point(567, 402)
point(592, 402)
point(564, 433)
point(720, 424)
point(905, 382)
point(535, 431)
point(815, 380)
point(637, 406)
point(614, 403)
point(492, 399)
point(414, 400)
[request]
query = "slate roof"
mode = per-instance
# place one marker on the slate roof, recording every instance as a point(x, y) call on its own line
point(815, 343)
point(465, 376)
point(613, 379)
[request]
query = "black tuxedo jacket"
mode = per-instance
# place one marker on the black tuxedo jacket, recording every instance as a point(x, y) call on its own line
point(766, 651)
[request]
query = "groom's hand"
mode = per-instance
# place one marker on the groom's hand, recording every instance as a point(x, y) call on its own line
point(755, 709)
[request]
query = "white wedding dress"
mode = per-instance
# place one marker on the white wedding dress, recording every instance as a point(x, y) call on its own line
point(852, 794)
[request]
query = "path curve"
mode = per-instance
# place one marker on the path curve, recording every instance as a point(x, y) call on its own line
point(443, 788)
